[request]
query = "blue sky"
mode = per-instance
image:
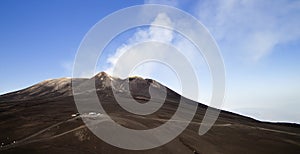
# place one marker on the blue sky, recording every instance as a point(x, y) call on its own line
point(259, 41)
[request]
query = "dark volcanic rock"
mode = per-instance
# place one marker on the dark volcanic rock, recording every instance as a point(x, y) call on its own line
point(43, 119)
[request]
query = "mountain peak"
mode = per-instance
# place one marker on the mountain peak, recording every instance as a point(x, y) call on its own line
point(101, 74)
point(102, 80)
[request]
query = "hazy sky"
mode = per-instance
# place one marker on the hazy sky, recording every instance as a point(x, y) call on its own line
point(259, 41)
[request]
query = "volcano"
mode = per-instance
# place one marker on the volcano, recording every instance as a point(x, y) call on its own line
point(43, 118)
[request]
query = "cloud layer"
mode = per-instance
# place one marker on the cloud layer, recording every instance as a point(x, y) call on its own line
point(251, 28)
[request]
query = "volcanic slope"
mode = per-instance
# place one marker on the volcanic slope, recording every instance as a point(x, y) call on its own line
point(43, 118)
